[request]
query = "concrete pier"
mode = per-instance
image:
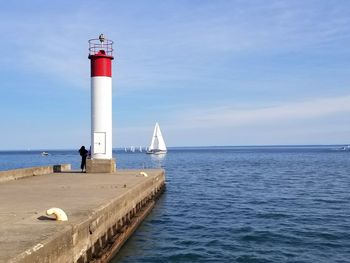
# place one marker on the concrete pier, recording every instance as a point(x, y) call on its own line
point(103, 211)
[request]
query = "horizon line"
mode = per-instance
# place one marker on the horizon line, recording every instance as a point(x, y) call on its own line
point(175, 147)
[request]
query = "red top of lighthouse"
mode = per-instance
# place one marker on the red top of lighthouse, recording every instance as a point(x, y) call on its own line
point(101, 55)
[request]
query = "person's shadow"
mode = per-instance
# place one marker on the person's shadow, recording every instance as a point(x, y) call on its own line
point(45, 218)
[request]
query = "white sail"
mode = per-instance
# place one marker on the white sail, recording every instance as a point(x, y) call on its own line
point(161, 143)
point(157, 143)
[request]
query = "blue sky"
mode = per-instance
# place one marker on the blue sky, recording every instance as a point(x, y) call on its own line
point(210, 72)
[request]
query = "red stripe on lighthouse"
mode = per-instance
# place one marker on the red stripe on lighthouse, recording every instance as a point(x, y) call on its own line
point(101, 64)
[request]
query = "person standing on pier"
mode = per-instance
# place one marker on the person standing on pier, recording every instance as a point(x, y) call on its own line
point(83, 153)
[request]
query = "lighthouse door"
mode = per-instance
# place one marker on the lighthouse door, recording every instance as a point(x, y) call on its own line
point(99, 142)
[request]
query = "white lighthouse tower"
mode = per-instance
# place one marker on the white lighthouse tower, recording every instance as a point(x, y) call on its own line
point(101, 56)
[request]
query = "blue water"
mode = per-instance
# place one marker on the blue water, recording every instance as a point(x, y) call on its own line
point(237, 204)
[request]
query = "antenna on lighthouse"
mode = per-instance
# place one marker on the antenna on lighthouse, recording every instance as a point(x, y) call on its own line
point(101, 38)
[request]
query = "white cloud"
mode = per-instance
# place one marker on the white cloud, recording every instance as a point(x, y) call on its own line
point(282, 113)
point(315, 121)
point(181, 46)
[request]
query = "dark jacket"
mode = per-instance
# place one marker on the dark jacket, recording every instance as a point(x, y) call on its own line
point(83, 152)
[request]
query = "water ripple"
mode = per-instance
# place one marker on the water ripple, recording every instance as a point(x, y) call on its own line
point(263, 206)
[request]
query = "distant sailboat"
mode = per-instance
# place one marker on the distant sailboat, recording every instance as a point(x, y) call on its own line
point(157, 144)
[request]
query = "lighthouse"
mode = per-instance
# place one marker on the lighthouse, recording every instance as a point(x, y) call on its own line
point(101, 56)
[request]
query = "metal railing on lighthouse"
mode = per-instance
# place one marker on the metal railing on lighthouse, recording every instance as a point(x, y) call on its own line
point(97, 45)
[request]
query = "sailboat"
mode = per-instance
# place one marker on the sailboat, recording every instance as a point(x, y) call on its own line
point(157, 144)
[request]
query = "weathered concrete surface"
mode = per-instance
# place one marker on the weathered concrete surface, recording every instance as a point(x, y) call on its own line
point(98, 206)
point(32, 171)
point(58, 168)
point(100, 166)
